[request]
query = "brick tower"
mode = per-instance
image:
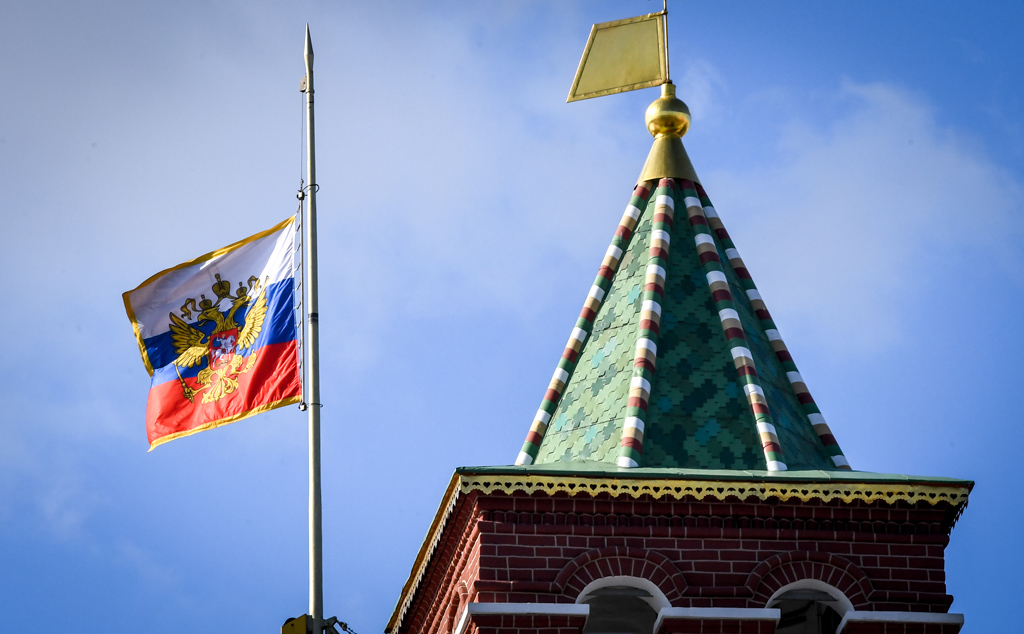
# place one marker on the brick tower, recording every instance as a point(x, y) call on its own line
point(678, 476)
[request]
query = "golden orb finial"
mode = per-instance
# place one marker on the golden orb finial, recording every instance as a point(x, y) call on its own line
point(668, 115)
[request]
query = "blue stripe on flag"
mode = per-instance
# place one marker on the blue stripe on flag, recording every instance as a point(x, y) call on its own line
point(278, 327)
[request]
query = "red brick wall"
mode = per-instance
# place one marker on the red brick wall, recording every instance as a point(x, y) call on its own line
point(525, 624)
point(545, 549)
point(449, 582)
point(719, 626)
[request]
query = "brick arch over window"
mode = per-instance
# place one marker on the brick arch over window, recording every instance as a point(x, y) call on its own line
point(458, 600)
point(783, 569)
point(620, 561)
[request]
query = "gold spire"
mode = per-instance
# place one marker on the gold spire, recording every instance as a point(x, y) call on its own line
point(667, 119)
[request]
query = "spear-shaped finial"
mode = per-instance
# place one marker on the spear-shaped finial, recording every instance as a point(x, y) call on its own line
point(308, 54)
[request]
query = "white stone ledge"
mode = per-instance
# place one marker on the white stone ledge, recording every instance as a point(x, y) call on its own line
point(854, 616)
point(721, 614)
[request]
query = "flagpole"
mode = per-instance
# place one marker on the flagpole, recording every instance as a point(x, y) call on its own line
point(312, 369)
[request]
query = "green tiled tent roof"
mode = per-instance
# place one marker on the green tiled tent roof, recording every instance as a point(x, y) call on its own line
point(675, 362)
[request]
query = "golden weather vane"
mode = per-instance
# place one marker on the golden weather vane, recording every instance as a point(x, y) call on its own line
point(630, 54)
point(624, 55)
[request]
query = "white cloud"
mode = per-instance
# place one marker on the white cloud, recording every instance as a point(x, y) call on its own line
point(858, 217)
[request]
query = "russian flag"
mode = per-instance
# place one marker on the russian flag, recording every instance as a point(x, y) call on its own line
point(218, 336)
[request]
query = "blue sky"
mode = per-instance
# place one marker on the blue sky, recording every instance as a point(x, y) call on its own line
point(866, 157)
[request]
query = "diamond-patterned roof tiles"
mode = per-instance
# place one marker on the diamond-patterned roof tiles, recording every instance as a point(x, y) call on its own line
point(675, 361)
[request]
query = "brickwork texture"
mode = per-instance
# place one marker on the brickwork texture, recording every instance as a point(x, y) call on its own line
point(522, 548)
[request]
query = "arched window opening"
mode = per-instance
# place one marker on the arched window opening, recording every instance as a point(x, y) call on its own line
point(806, 611)
point(622, 605)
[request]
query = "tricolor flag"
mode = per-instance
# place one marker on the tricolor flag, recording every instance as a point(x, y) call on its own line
point(218, 336)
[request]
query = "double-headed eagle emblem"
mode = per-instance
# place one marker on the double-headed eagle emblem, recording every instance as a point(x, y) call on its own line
point(219, 348)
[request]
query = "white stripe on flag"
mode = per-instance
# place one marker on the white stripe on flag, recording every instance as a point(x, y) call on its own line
point(267, 258)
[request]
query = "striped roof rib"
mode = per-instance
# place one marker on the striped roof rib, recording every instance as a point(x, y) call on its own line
point(732, 327)
point(585, 323)
point(675, 361)
point(778, 345)
point(645, 359)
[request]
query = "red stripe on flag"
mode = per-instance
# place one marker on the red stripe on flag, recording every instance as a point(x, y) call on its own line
point(272, 381)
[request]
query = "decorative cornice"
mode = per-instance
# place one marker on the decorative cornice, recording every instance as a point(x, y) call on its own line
point(677, 489)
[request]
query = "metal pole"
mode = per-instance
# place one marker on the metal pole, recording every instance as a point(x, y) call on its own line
point(312, 370)
point(668, 74)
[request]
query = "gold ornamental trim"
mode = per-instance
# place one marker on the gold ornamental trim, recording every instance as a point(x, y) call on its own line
point(888, 492)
